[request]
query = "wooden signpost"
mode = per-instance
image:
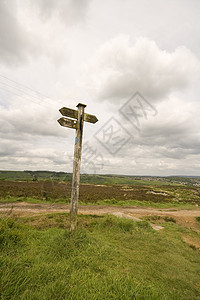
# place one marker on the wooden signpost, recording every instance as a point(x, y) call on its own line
point(77, 124)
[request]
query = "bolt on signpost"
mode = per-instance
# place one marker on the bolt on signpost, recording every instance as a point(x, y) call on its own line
point(77, 124)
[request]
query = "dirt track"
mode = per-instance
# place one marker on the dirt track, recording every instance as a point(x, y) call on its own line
point(33, 208)
point(183, 217)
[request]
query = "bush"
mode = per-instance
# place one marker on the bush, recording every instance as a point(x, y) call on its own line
point(11, 234)
point(169, 219)
point(198, 219)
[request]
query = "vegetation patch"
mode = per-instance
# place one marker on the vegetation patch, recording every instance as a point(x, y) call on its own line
point(159, 219)
point(105, 258)
point(100, 194)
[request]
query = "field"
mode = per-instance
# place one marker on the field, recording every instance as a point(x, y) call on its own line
point(145, 193)
point(107, 257)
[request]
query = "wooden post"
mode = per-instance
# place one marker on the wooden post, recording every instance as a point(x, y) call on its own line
point(80, 116)
point(76, 167)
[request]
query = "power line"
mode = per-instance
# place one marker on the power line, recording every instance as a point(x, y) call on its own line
point(23, 95)
point(24, 86)
point(5, 85)
point(24, 90)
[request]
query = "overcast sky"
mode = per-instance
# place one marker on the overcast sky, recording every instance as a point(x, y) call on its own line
point(136, 64)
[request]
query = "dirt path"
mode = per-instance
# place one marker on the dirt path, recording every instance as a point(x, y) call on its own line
point(35, 208)
point(183, 217)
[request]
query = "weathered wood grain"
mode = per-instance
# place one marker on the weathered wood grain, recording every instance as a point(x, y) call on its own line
point(68, 112)
point(67, 122)
point(76, 167)
point(90, 118)
point(80, 116)
point(71, 113)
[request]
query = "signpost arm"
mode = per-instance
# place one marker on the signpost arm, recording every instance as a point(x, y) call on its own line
point(76, 167)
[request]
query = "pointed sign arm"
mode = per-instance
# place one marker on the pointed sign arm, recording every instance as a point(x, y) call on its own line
point(71, 113)
point(68, 112)
point(90, 118)
point(67, 122)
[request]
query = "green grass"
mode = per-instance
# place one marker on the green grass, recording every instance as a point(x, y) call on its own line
point(106, 202)
point(10, 199)
point(170, 204)
point(105, 258)
point(154, 218)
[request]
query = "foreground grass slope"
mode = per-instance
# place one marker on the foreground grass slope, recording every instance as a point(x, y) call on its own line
point(105, 258)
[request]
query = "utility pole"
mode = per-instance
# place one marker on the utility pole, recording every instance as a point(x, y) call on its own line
point(80, 116)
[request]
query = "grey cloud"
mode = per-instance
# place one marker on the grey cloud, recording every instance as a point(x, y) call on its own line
point(8, 148)
point(172, 135)
point(20, 40)
point(32, 120)
point(69, 12)
point(174, 152)
point(40, 158)
point(15, 42)
point(167, 143)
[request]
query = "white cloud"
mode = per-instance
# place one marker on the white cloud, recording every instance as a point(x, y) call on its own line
point(119, 69)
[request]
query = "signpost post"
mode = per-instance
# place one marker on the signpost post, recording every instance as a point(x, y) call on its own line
point(77, 124)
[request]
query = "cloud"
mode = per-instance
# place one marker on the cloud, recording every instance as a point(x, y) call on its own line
point(167, 143)
point(8, 148)
point(14, 39)
point(175, 126)
point(70, 12)
point(19, 123)
point(23, 34)
point(49, 40)
point(42, 158)
point(119, 69)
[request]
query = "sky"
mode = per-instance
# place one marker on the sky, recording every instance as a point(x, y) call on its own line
point(135, 64)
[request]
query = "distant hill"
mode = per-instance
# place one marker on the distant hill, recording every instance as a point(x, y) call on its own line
point(98, 179)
